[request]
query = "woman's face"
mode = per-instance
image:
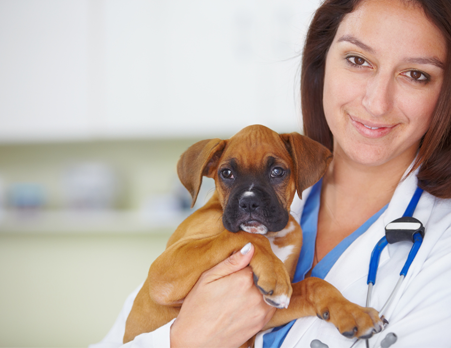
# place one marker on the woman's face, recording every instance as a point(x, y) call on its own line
point(384, 71)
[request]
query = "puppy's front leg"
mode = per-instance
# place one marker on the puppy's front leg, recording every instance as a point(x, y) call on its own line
point(174, 273)
point(316, 297)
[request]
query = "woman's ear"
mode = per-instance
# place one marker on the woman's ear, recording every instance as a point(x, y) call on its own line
point(200, 159)
point(310, 159)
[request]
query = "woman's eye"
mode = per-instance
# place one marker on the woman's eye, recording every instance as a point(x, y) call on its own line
point(277, 172)
point(417, 76)
point(227, 174)
point(356, 60)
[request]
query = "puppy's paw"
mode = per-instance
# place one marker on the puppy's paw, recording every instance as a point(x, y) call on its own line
point(352, 320)
point(281, 301)
point(275, 285)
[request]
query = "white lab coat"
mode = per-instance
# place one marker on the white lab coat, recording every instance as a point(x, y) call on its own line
point(420, 314)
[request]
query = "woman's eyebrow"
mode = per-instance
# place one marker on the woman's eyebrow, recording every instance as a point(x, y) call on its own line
point(432, 60)
point(356, 42)
point(420, 60)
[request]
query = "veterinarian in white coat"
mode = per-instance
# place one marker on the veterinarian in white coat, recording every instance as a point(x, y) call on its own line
point(375, 89)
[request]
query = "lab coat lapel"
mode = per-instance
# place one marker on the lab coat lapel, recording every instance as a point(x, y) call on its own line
point(298, 204)
point(353, 265)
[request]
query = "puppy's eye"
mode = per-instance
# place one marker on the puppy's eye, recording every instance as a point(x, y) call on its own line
point(227, 174)
point(277, 172)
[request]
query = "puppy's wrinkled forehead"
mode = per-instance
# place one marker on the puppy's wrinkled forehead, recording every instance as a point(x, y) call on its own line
point(253, 146)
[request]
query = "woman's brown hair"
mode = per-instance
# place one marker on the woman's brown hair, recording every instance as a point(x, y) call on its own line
point(434, 157)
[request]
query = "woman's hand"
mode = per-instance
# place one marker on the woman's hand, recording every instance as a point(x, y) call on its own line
point(224, 309)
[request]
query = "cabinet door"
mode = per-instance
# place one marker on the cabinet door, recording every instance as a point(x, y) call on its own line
point(43, 69)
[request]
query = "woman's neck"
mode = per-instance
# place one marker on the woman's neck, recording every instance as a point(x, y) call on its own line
point(358, 182)
point(352, 193)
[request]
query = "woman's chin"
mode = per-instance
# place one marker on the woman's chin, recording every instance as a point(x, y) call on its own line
point(364, 155)
point(371, 157)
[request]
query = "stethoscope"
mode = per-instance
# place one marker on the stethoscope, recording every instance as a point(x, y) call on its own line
point(406, 228)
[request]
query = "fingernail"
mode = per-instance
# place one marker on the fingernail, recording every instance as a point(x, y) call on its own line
point(246, 249)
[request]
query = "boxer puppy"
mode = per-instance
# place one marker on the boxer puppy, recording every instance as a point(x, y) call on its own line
point(257, 172)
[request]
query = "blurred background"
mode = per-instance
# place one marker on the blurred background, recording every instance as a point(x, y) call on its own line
point(98, 99)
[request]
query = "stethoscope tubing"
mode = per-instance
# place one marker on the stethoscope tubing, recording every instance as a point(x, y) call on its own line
point(374, 263)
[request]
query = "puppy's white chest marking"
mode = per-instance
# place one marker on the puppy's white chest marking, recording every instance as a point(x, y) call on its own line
point(282, 252)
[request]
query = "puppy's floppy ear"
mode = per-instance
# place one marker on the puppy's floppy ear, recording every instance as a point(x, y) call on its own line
point(310, 159)
point(200, 159)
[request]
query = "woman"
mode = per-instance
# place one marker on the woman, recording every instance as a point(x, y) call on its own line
point(376, 90)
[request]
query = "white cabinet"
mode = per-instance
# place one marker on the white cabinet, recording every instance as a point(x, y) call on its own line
point(43, 69)
point(83, 68)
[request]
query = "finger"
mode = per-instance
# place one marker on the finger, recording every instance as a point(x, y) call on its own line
point(232, 264)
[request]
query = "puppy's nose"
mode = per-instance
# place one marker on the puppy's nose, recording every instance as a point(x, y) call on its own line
point(249, 203)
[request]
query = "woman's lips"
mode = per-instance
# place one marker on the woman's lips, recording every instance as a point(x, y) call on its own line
point(371, 130)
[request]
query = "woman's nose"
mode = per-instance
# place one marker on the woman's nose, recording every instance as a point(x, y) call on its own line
point(378, 99)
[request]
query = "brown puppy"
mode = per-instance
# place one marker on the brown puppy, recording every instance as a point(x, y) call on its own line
point(257, 173)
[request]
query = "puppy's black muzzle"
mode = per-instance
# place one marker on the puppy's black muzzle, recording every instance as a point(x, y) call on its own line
point(258, 205)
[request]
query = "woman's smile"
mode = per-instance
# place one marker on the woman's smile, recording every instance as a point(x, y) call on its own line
point(371, 129)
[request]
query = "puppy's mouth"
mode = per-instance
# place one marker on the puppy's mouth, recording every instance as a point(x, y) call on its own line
point(253, 226)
